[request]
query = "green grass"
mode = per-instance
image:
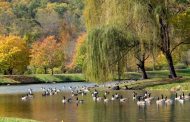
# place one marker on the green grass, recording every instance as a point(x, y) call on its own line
point(59, 78)
point(5, 119)
point(158, 74)
point(41, 78)
point(159, 81)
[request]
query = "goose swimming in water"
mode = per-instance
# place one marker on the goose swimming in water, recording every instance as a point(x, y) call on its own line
point(181, 100)
point(168, 101)
point(141, 102)
point(79, 101)
point(64, 100)
point(106, 99)
point(122, 99)
point(160, 101)
point(116, 96)
point(186, 97)
point(113, 98)
point(176, 97)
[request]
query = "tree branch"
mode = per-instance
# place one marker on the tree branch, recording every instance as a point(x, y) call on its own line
point(179, 44)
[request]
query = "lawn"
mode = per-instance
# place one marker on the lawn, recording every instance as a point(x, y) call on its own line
point(41, 78)
point(5, 119)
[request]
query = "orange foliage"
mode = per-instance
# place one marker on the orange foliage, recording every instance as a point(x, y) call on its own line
point(80, 41)
point(47, 53)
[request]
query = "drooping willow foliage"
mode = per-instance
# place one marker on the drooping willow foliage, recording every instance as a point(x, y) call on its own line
point(107, 47)
point(112, 26)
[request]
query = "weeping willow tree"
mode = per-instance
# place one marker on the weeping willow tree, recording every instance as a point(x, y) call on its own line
point(107, 47)
point(106, 54)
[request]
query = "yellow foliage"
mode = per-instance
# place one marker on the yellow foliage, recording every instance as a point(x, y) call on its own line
point(14, 53)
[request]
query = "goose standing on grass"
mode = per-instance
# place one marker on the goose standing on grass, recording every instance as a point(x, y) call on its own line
point(95, 93)
point(106, 93)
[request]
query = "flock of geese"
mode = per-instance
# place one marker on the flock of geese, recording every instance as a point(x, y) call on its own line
point(142, 100)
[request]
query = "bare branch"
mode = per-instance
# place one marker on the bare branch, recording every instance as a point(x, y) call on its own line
point(179, 44)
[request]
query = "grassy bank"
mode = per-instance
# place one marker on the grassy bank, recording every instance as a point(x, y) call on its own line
point(40, 78)
point(5, 119)
point(159, 81)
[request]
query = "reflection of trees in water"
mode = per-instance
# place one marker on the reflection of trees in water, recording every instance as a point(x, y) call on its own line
point(50, 109)
point(12, 106)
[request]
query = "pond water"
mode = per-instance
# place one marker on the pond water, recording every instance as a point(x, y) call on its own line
point(51, 109)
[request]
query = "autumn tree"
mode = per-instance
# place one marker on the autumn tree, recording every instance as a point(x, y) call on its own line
point(47, 53)
point(14, 54)
point(79, 54)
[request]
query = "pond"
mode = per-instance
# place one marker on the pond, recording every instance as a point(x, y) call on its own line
point(51, 108)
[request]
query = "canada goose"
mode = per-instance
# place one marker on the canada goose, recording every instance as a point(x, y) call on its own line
point(186, 97)
point(64, 100)
point(134, 97)
point(141, 102)
point(148, 99)
point(30, 91)
point(74, 94)
point(83, 93)
point(95, 92)
point(122, 99)
point(79, 101)
point(181, 100)
point(113, 98)
point(160, 101)
point(24, 97)
point(146, 94)
point(176, 97)
point(94, 98)
point(168, 101)
point(106, 93)
point(106, 99)
point(98, 99)
point(116, 96)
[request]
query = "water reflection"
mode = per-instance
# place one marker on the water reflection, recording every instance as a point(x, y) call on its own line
point(51, 109)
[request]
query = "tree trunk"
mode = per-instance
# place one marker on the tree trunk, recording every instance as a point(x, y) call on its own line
point(52, 72)
point(165, 44)
point(45, 70)
point(10, 71)
point(5, 72)
point(171, 65)
point(142, 68)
